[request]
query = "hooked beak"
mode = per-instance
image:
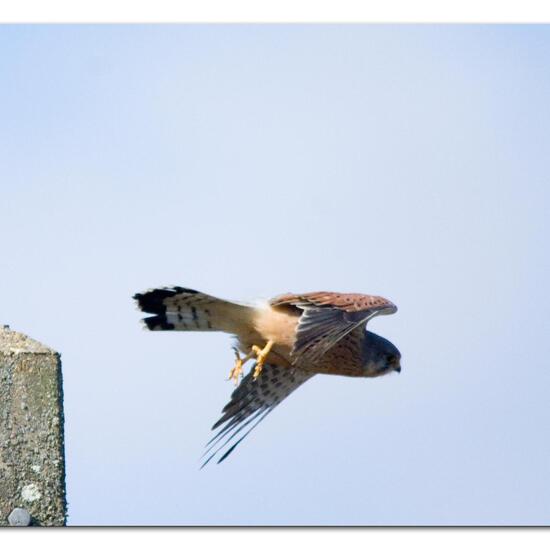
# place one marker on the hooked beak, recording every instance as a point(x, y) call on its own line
point(397, 367)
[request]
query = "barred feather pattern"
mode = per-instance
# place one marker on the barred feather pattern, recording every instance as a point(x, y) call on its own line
point(250, 403)
point(177, 308)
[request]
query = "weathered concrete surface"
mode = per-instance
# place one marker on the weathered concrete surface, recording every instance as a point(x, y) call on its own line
point(32, 465)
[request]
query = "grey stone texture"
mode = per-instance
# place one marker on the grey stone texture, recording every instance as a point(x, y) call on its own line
point(19, 517)
point(32, 462)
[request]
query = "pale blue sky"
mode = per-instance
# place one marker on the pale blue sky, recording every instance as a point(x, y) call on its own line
point(246, 161)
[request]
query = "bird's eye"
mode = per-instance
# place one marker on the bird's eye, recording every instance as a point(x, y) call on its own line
point(390, 359)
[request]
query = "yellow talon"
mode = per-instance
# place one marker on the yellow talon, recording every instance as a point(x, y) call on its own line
point(257, 371)
point(237, 371)
point(261, 356)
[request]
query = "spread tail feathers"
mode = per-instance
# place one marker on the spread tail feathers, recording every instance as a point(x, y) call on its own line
point(178, 308)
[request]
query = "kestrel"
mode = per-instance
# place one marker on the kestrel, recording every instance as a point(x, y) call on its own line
point(290, 338)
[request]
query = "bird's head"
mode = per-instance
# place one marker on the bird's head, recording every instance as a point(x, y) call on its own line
point(380, 356)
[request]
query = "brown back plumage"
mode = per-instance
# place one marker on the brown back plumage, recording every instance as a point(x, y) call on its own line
point(327, 318)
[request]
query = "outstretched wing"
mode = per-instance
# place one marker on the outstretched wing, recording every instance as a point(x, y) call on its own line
point(250, 403)
point(327, 317)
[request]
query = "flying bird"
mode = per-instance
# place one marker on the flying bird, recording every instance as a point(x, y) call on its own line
point(290, 338)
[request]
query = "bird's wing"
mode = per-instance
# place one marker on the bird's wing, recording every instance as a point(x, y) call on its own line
point(250, 403)
point(327, 317)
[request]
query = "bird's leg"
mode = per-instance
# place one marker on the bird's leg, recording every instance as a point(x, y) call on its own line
point(237, 370)
point(261, 356)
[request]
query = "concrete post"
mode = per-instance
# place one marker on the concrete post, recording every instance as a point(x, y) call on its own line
point(32, 461)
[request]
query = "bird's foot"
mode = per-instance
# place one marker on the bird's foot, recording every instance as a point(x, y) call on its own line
point(261, 356)
point(237, 371)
